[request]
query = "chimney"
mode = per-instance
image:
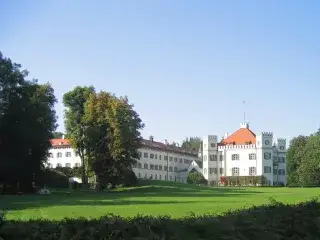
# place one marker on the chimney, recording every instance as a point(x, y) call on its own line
point(226, 135)
point(151, 138)
point(62, 136)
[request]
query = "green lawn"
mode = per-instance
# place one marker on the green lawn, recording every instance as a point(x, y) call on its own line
point(174, 199)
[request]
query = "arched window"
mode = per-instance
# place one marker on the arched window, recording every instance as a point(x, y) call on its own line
point(156, 177)
point(160, 177)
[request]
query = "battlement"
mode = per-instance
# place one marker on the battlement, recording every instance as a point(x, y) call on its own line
point(267, 134)
point(237, 146)
point(282, 140)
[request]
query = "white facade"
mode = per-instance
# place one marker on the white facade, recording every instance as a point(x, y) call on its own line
point(265, 157)
point(261, 155)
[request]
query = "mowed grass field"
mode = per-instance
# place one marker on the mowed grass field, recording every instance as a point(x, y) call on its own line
point(155, 198)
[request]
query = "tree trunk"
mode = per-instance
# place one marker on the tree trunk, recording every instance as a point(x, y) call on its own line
point(83, 166)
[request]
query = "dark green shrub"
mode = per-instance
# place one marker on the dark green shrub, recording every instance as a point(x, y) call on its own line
point(196, 178)
point(52, 178)
point(130, 179)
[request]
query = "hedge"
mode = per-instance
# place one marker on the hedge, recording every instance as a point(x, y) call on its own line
point(273, 221)
point(52, 178)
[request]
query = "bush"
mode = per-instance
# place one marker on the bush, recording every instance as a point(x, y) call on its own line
point(130, 179)
point(273, 221)
point(196, 178)
point(243, 181)
point(52, 178)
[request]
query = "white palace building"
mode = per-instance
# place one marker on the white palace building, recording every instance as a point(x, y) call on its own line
point(242, 153)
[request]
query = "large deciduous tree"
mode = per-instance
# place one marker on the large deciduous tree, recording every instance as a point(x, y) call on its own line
point(309, 169)
point(27, 120)
point(74, 101)
point(113, 136)
point(192, 143)
point(294, 157)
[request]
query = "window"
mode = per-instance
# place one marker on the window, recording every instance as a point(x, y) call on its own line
point(281, 160)
point(155, 156)
point(235, 156)
point(156, 167)
point(151, 176)
point(139, 165)
point(59, 155)
point(252, 171)
point(166, 168)
point(165, 158)
point(175, 169)
point(68, 154)
point(77, 165)
point(145, 155)
point(140, 154)
point(267, 169)
point(205, 171)
point(180, 160)
point(267, 156)
point(275, 171)
point(50, 155)
point(213, 157)
point(151, 155)
point(145, 166)
point(175, 159)
point(267, 142)
point(213, 170)
point(252, 156)
point(58, 165)
point(160, 159)
point(156, 177)
point(135, 165)
point(221, 170)
point(281, 147)
point(139, 175)
point(170, 159)
point(170, 169)
point(281, 172)
point(151, 166)
point(204, 157)
point(235, 171)
point(160, 177)
point(160, 167)
point(221, 157)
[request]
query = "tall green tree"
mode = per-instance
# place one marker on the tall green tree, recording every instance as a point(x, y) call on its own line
point(192, 143)
point(75, 101)
point(309, 169)
point(295, 154)
point(113, 136)
point(27, 120)
point(57, 134)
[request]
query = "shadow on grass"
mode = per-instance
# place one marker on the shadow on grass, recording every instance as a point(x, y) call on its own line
point(163, 193)
point(274, 221)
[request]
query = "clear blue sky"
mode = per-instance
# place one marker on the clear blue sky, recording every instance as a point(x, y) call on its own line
point(185, 65)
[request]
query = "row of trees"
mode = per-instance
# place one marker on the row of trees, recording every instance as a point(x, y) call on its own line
point(104, 129)
point(303, 160)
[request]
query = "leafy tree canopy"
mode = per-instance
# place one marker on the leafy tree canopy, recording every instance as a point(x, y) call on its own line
point(192, 143)
point(27, 120)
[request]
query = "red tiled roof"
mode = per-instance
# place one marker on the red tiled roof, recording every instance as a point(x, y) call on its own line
point(59, 142)
point(242, 136)
point(146, 143)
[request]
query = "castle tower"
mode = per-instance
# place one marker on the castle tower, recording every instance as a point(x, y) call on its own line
point(265, 152)
point(209, 156)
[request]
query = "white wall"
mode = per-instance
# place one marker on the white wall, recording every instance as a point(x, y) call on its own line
point(54, 160)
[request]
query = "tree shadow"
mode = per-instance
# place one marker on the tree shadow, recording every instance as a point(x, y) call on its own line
point(151, 195)
point(274, 221)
